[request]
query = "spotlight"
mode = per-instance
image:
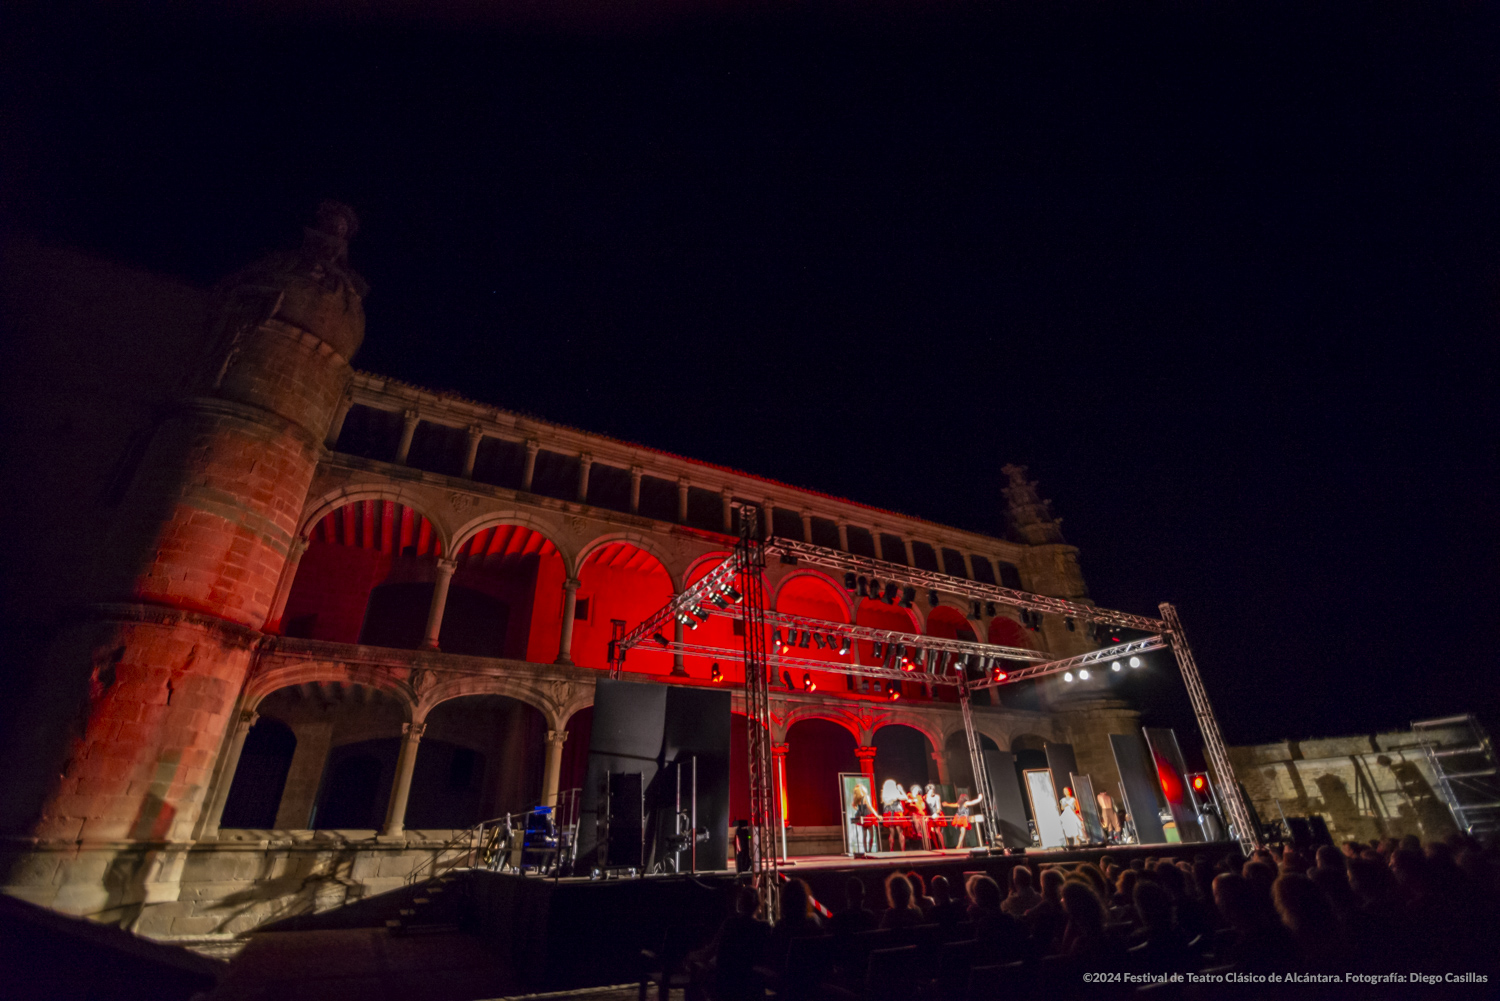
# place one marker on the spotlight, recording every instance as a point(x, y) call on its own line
point(901, 652)
point(806, 638)
point(890, 593)
point(1114, 665)
point(1135, 662)
point(849, 581)
point(714, 673)
point(1083, 674)
point(776, 641)
point(661, 639)
point(989, 609)
point(932, 598)
point(734, 595)
point(831, 640)
point(877, 650)
point(718, 602)
point(843, 645)
point(894, 693)
point(703, 613)
point(786, 676)
point(1000, 675)
point(808, 684)
point(874, 588)
point(975, 611)
point(1068, 676)
point(818, 640)
point(908, 597)
point(864, 588)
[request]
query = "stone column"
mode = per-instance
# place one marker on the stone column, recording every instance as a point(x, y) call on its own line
point(726, 497)
point(476, 435)
point(284, 585)
point(678, 670)
point(406, 763)
point(986, 559)
point(552, 771)
point(682, 499)
point(807, 527)
point(768, 519)
point(408, 429)
point(585, 463)
point(942, 766)
point(635, 489)
point(866, 756)
point(215, 809)
point(336, 426)
point(570, 608)
point(879, 549)
point(529, 470)
point(969, 566)
point(844, 536)
point(911, 560)
point(445, 570)
point(308, 761)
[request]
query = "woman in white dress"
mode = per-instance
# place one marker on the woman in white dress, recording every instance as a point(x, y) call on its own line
point(1072, 822)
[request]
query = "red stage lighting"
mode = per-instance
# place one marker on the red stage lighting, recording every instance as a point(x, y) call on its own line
point(715, 674)
point(1199, 782)
point(894, 694)
point(808, 684)
point(1000, 675)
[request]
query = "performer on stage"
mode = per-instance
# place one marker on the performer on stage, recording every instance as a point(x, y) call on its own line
point(963, 819)
point(934, 804)
point(1072, 820)
point(916, 809)
point(861, 836)
point(1107, 816)
point(892, 803)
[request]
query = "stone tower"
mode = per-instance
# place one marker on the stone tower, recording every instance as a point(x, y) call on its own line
point(142, 685)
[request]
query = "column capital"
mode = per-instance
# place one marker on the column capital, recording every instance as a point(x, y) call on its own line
point(298, 546)
point(557, 737)
point(682, 482)
point(533, 446)
point(410, 416)
point(636, 472)
point(570, 584)
point(779, 750)
point(446, 566)
point(248, 717)
point(585, 458)
point(413, 731)
point(726, 492)
point(864, 752)
point(474, 431)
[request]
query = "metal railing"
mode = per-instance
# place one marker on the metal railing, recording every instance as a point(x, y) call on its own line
point(489, 843)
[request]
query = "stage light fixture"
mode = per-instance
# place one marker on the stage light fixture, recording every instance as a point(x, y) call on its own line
point(714, 673)
point(1000, 675)
point(1114, 665)
point(661, 639)
point(786, 676)
point(989, 609)
point(975, 612)
point(908, 597)
point(818, 640)
point(932, 597)
point(776, 641)
point(734, 595)
point(894, 693)
point(1069, 624)
point(890, 593)
point(877, 650)
point(1135, 662)
point(1083, 674)
point(864, 588)
point(1068, 676)
point(808, 684)
point(806, 639)
point(849, 581)
point(718, 602)
point(843, 645)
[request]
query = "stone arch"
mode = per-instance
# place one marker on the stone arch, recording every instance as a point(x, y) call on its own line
point(373, 676)
point(1028, 742)
point(645, 544)
point(836, 587)
point(550, 530)
point(818, 749)
point(619, 581)
point(319, 508)
point(556, 700)
point(798, 714)
point(481, 755)
point(516, 567)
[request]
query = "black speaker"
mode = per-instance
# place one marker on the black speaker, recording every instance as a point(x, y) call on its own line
point(1300, 832)
point(1320, 835)
point(627, 805)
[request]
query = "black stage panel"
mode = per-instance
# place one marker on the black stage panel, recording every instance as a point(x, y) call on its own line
point(1138, 784)
point(1171, 773)
point(1005, 796)
point(646, 727)
point(1063, 763)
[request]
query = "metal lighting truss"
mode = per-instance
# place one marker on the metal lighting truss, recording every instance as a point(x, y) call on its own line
point(750, 560)
point(748, 564)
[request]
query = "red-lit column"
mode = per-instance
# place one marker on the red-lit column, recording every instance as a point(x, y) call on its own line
point(807, 526)
point(440, 584)
point(768, 518)
point(471, 453)
point(585, 463)
point(866, 756)
point(875, 534)
point(682, 500)
point(528, 471)
point(284, 586)
point(570, 611)
point(726, 499)
point(844, 536)
point(409, 421)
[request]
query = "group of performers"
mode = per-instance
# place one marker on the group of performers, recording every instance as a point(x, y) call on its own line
point(911, 819)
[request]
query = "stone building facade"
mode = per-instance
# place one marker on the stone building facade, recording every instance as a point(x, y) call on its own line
point(329, 618)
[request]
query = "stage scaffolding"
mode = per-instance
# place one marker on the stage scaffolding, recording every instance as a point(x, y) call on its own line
point(736, 588)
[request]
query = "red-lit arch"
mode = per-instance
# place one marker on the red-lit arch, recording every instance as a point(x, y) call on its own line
point(814, 596)
point(351, 551)
point(520, 570)
point(619, 581)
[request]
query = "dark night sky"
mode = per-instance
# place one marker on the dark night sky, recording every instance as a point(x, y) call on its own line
point(1224, 275)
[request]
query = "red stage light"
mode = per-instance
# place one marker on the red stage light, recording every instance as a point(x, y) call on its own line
point(895, 694)
point(1001, 675)
point(1198, 782)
